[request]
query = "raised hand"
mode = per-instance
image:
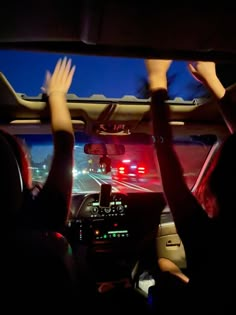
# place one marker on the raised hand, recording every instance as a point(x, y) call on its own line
point(157, 66)
point(203, 71)
point(60, 80)
point(157, 72)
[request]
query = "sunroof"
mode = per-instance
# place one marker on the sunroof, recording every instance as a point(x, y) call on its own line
point(111, 77)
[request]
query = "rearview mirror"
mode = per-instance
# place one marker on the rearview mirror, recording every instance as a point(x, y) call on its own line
point(104, 149)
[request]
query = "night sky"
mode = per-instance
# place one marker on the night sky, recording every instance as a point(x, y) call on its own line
point(110, 76)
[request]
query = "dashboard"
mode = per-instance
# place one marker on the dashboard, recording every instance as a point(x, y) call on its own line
point(102, 223)
point(92, 208)
point(131, 216)
point(114, 229)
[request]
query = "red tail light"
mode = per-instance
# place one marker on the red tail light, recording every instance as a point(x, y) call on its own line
point(121, 170)
point(141, 170)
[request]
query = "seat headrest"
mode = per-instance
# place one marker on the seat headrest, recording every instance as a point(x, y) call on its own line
point(11, 188)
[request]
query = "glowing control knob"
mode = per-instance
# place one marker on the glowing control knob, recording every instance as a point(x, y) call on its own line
point(95, 210)
point(107, 210)
point(120, 208)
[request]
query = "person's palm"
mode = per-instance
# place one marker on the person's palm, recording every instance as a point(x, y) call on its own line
point(157, 66)
point(61, 78)
point(202, 71)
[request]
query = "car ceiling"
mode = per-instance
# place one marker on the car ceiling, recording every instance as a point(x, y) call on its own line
point(120, 28)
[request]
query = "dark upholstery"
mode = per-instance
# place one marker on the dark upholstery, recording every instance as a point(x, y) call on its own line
point(10, 181)
point(45, 271)
point(37, 271)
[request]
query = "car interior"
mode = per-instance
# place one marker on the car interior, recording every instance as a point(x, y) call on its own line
point(119, 222)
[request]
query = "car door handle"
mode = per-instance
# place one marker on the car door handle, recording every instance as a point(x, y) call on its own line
point(169, 243)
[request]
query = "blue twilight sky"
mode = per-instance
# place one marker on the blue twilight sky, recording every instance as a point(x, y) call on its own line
point(110, 76)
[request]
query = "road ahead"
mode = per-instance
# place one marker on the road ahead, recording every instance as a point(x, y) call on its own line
point(92, 182)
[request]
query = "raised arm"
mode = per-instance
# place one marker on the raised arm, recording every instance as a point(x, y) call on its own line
point(58, 186)
point(191, 221)
point(205, 72)
point(182, 203)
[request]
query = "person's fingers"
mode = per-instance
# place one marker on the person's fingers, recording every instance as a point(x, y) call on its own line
point(66, 72)
point(67, 67)
point(44, 88)
point(57, 67)
point(191, 68)
point(47, 78)
point(62, 76)
point(70, 77)
point(61, 70)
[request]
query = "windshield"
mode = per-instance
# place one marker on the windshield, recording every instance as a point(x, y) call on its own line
point(134, 171)
point(113, 77)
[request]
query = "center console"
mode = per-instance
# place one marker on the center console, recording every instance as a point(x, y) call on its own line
point(101, 225)
point(102, 218)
